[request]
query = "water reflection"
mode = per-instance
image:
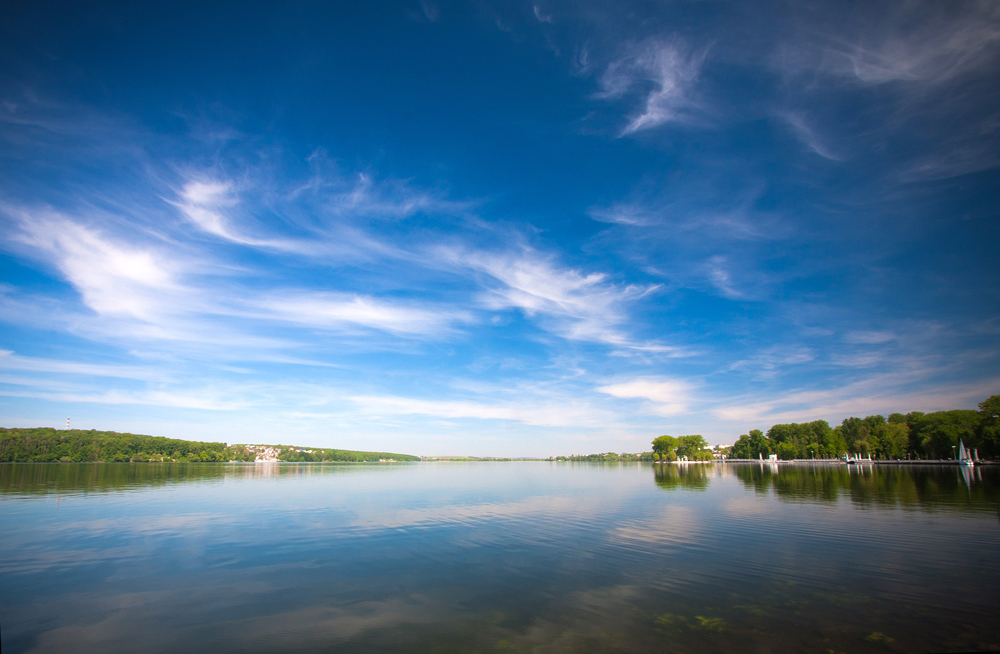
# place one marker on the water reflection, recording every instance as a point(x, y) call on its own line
point(530, 557)
point(689, 477)
point(71, 478)
point(924, 487)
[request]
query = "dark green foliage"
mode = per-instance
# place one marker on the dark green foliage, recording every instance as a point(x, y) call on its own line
point(934, 435)
point(915, 435)
point(318, 455)
point(608, 456)
point(664, 444)
point(44, 444)
point(669, 448)
point(807, 440)
point(751, 446)
point(690, 446)
point(989, 427)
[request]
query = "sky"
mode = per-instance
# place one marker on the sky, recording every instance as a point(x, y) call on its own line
point(495, 228)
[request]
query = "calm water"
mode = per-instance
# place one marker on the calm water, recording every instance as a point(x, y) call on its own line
point(497, 557)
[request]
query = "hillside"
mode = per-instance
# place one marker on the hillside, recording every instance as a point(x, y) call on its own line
point(45, 444)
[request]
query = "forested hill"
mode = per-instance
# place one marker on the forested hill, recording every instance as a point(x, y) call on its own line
point(44, 444)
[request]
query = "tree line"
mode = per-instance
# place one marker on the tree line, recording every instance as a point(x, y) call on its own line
point(48, 445)
point(608, 457)
point(319, 455)
point(687, 448)
point(915, 435)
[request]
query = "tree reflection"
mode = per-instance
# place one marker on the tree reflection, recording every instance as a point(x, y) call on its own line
point(923, 487)
point(690, 477)
point(67, 478)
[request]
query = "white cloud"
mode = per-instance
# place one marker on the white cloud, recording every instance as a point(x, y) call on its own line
point(771, 362)
point(936, 53)
point(201, 202)
point(11, 361)
point(565, 412)
point(869, 337)
point(540, 15)
point(808, 136)
point(574, 305)
point(720, 278)
point(878, 393)
point(113, 277)
point(668, 396)
point(864, 360)
point(207, 204)
point(977, 152)
point(388, 198)
point(145, 292)
point(692, 212)
point(624, 214)
point(430, 9)
point(667, 68)
point(332, 310)
point(202, 399)
point(915, 42)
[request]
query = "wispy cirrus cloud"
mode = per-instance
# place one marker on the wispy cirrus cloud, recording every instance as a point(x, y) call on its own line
point(112, 277)
point(570, 303)
point(774, 361)
point(9, 360)
point(340, 310)
point(666, 397)
point(207, 203)
point(950, 42)
point(926, 71)
point(881, 392)
point(366, 196)
point(168, 293)
point(869, 337)
point(564, 412)
point(663, 72)
point(808, 136)
point(337, 212)
point(719, 276)
point(687, 211)
point(916, 42)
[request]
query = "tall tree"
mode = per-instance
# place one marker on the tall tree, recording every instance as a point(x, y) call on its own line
point(664, 445)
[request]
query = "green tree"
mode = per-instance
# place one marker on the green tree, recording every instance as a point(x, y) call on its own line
point(895, 440)
point(690, 445)
point(989, 427)
point(663, 445)
point(936, 434)
point(751, 446)
point(785, 451)
point(990, 407)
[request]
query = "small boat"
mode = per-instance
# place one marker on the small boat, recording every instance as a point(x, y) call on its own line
point(964, 455)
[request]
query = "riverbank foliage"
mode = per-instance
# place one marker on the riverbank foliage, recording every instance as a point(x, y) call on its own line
point(47, 445)
point(327, 454)
point(915, 435)
point(687, 448)
point(608, 456)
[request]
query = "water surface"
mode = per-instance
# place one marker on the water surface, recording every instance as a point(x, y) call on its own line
point(497, 557)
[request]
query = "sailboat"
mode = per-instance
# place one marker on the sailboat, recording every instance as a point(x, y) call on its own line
point(964, 455)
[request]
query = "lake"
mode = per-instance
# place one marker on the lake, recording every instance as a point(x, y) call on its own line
point(497, 557)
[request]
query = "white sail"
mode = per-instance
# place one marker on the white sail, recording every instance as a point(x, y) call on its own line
point(964, 456)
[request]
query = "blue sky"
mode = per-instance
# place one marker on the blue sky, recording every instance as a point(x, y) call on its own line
point(495, 228)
